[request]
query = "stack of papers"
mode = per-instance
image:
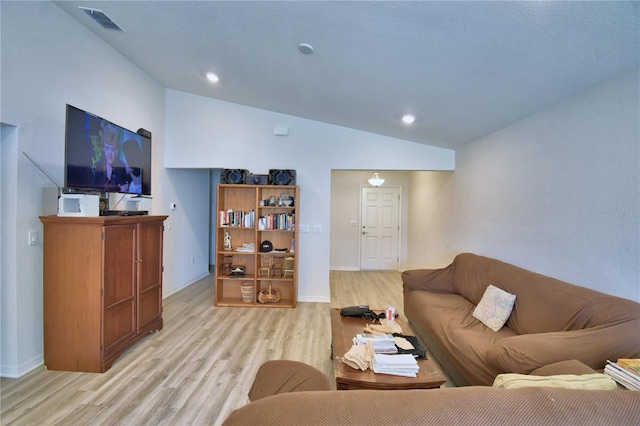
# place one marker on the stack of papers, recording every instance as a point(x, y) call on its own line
point(382, 343)
point(397, 365)
point(246, 248)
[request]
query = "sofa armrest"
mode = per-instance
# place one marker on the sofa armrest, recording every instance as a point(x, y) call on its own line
point(592, 346)
point(283, 376)
point(433, 280)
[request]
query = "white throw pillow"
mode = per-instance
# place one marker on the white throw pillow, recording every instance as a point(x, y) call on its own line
point(494, 307)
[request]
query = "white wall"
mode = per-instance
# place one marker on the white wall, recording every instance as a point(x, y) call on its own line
point(8, 257)
point(430, 214)
point(186, 234)
point(49, 60)
point(345, 207)
point(207, 133)
point(558, 193)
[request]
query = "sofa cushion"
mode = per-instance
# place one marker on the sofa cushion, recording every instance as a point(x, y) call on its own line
point(595, 381)
point(471, 344)
point(571, 366)
point(449, 316)
point(495, 307)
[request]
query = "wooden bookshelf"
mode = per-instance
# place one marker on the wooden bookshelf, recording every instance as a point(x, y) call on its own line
point(250, 215)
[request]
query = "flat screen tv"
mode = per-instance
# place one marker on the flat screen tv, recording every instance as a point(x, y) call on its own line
point(101, 156)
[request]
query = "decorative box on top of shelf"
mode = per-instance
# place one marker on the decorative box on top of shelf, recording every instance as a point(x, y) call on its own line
point(250, 215)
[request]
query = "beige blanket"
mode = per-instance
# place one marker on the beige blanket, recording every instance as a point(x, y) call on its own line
point(595, 381)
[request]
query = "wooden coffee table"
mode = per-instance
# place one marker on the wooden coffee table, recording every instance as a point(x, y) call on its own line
point(343, 329)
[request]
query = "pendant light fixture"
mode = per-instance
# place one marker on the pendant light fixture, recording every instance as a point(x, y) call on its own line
point(376, 180)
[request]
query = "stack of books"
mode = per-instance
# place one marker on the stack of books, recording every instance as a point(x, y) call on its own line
point(397, 365)
point(382, 343)
point(285, 221)
point(625, 372)
point(237, 218)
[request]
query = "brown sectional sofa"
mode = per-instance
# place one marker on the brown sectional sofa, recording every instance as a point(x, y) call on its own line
point(471, 405)
point(291, 393)
point(551, 320)
point(555, 328)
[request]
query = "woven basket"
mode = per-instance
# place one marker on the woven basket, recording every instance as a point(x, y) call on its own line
point(269, 295)
point(247, 292)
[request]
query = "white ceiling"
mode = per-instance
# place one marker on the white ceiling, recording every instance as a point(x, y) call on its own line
point(465, 69)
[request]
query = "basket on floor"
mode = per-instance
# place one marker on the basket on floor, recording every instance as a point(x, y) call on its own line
point(269, 296)
point(247, 292)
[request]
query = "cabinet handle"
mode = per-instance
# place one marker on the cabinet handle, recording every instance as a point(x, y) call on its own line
point(137, 261)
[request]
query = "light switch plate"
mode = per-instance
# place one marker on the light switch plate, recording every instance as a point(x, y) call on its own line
point(33, 238)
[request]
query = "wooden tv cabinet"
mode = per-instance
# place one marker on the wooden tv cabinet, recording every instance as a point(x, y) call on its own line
point(102, 288)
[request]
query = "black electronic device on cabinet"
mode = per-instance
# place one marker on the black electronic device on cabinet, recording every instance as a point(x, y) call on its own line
point(258, 179)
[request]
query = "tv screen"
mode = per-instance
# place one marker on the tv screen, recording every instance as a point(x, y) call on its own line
point(101, 156)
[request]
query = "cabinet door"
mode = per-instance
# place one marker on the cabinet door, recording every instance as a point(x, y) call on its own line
point(149, 264)
point(119, 286)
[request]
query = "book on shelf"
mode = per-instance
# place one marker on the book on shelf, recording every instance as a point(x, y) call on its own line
point(281, 221)
point(622, 376)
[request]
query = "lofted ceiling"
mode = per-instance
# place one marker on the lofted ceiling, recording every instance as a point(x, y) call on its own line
point(465, 69)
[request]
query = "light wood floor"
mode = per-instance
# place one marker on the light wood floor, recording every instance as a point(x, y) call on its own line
point(199, 367)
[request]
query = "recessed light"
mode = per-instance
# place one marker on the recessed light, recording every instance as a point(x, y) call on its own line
point(305, 48)
point(408, 118)
point(213, 77)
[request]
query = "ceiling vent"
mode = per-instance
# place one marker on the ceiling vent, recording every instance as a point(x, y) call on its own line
point(101, 18)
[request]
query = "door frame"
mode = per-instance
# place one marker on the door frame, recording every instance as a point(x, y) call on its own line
point(400, 199)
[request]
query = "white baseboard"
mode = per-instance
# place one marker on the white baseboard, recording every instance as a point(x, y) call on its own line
point(164, 296)
point(344, 268)
point(315, 299)
point(15, 371)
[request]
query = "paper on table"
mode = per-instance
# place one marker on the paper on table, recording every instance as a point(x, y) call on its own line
point(382, 343)
point(398, 365)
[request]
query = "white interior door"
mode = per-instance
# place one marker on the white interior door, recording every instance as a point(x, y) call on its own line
point(380, 210)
